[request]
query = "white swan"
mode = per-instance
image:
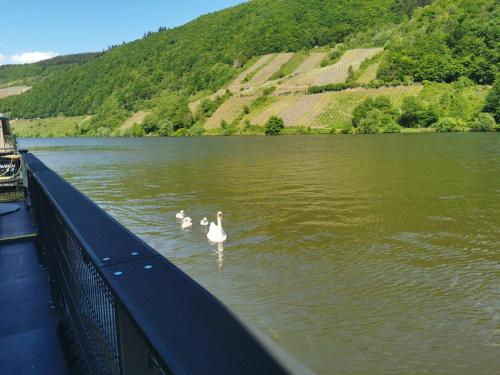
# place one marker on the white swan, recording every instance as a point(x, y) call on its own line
point(216, 232)
point(180, 215)
point(187, 223)
point(204, 222)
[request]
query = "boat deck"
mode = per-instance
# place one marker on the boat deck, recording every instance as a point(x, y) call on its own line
point(28, 340)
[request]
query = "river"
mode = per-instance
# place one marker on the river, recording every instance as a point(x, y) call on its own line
point(356, 254)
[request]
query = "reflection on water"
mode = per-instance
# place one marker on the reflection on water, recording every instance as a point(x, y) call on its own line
point(357, 254)
point(219, 251)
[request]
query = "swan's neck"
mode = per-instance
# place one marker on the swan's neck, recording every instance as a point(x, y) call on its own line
point(219, 223)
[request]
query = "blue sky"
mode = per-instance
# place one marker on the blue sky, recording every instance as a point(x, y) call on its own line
point(36, 29)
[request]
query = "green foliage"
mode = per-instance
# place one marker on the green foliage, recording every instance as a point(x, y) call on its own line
point(492, 104)
point(77, 58)
point(170, 113)
point(269, 90)
point(350, 85)
point(416, 114)
point(484, 122)
point(378, 121)
point(29, 74)
point(390, 126)
point(138, 131)
point(458, 100)
point(450, 124)
point(331, 87)
point(274, 125)
point(261, 101)
point(350, 74)
point(364, 110)
point(334, 56)
point(406, 7)
point(57, 127)
point(297, 130)
point(250, 129)
point(444, 41)
point(208, 107)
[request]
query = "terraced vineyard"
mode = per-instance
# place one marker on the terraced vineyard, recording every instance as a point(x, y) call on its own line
point(339, 72)
point(313, 61)
point(228, 111)
point(290, 100)
point(339, 111)
point(369, 74)
point(269, 69)
point(333, 109)
point(259, 64)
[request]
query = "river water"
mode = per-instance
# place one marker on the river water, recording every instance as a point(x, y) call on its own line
point(356, 254)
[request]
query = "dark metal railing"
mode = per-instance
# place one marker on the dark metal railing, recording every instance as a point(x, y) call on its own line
point(128, 310)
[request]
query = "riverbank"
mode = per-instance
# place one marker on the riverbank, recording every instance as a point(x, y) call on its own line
point(66, 128)
point(47, 127)
point(430, 107)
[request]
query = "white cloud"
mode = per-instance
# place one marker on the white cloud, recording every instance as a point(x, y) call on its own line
point(3, 59)
point(32, 57)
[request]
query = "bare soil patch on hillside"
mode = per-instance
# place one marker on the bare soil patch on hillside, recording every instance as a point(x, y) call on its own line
point(136, 118)
point(14, 90)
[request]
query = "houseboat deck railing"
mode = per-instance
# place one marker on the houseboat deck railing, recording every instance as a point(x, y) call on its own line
point(127, 309)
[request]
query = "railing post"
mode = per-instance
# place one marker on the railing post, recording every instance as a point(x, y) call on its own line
point(134, 350)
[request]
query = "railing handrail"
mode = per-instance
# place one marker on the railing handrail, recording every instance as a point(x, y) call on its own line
point(187, 329)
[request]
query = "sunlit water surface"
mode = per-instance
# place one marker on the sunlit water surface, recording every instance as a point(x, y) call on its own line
point(357, 254)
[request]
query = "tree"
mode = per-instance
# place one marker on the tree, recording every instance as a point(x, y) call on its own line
point(382, 103)
point(493, 100)
point(416, 114)
point(406, 7)
point(274, 125)
point(377, 121)
point(450, 124)
point(484, 122)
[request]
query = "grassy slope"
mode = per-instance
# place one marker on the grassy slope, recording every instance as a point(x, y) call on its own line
point(49, 127)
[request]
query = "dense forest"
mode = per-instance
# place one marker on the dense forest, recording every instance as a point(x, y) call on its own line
point(442, 42)
point(28, 74)
point(446, 41)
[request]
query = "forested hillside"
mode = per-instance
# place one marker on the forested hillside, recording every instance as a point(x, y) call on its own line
point(29, 74)
point(446, 41)
point(162, 72)
point(203, 54)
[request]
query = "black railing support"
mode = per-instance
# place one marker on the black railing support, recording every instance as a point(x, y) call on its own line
point(133, 348)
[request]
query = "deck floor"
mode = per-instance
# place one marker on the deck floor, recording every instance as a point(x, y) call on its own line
point(28, 340)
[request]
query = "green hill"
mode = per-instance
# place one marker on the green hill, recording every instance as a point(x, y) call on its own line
point(166, 70)
point(29, 74)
